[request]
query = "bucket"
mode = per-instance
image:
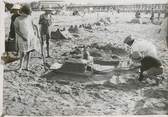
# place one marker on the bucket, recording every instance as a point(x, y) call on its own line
point(10, 46)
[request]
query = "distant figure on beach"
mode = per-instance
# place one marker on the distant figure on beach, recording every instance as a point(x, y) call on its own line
point(138, 14)
point(87, 56)
point(45, 22)
point(71, 29)
point(144, 52)
point(152, 16)
point(112, 11)
point(118, 11)
point(75, 13)
point(159, 15)
point(26, 38)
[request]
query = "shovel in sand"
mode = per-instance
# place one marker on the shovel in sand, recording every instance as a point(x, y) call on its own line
point(46, 65)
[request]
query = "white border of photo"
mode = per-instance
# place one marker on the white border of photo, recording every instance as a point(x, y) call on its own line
point(2, 45)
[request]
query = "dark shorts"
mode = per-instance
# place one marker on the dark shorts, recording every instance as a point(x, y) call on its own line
point(152, 66)
point(154, 71)
point(150, 62)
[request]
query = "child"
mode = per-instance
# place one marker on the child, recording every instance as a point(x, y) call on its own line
point(25, 36)
point(87, 57)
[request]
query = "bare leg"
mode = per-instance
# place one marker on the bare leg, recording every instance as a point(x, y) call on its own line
point(21, 62)
point(25, 57)
point(42, 51)
point(27, 60)
point(42, 45)
point(47, 43)
point(167, 40)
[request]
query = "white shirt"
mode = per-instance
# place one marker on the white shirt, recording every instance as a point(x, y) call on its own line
point(144, 48)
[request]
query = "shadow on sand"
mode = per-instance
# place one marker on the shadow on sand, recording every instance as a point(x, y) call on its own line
point(56, 76)
point(156, 93)
point(97, 80)
point(130, 85)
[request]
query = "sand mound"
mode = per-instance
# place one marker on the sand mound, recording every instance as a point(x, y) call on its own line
point(57, 35)
point(135, 21)
point(110, 47)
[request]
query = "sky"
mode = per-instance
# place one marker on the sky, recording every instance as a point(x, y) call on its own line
point(102, 1)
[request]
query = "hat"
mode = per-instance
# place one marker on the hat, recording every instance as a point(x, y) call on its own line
point(128, 39)
point(26, 9)
point(16, 6)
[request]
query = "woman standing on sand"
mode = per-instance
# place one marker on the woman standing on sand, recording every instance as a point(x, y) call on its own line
point(27, 41)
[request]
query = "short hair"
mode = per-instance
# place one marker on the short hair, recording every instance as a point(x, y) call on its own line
point(26, 9)
point(128, 39)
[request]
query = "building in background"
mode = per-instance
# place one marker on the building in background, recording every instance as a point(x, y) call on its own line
point(121, 7)
point(55, 4)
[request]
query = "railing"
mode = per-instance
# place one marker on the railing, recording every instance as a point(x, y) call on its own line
point(123, 8)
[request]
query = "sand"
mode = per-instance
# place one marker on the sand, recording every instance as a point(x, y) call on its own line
point(37, 92)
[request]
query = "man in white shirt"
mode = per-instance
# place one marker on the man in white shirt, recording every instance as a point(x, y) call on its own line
point(145, 53)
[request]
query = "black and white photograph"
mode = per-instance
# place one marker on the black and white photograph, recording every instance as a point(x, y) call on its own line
point(84, 57)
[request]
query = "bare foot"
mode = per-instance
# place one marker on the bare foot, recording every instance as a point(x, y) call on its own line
point(20, 70)
point(27, 69)
point(48, 56)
